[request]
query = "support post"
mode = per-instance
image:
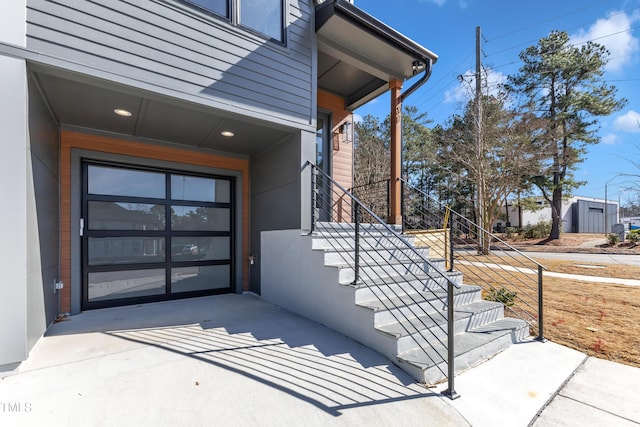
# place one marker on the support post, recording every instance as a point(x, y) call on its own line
point(396, 153)
point(540, 307)
point(450, 392)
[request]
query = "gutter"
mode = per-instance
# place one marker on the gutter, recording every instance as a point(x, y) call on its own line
point(382, 30)
point(427, 73)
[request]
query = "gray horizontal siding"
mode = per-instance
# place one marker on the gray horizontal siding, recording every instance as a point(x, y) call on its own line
point(171, 46)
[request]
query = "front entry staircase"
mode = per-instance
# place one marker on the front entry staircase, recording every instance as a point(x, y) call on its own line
point(397, 306)
point(368, 280)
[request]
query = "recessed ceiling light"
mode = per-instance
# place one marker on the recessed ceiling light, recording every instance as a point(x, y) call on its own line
point(122, 112)
point(227, 133)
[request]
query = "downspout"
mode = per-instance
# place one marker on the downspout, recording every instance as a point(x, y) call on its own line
point(396, 207)
point(428, 67)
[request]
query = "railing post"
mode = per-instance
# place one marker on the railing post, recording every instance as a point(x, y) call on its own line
point(450, 391)
point(356, 266)
point(540, 306)
point(451, 235)
point(313, 199)
point(388, 199)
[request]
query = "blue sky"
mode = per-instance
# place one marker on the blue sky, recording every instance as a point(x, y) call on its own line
point(447, 27)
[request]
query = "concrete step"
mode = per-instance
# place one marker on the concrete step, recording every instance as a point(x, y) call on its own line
point(389, 307)
point(346, 241)
point(322, 226)
point(373, 289)
point(375, 256)
point(471, 347)
point(419, 331)
point(376, 270)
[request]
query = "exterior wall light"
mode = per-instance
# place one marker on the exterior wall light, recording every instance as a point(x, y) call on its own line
point(346, 132)
point(417, 66)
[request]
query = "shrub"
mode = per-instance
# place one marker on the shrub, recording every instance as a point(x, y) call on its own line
point(511, 232)
point(501, 295)
point(613, 238)
point(537, 231)
point(634, 237)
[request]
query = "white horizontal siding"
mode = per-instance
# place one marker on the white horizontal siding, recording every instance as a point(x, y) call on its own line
point(170, 46)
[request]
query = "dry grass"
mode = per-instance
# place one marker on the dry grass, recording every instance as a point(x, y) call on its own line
point(598, 319)
point(601, 320)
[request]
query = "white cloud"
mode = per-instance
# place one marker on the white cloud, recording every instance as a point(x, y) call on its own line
point(628, 122)
point(465, 89)
point(610, 139)
point(614, 33)
point(357, 118)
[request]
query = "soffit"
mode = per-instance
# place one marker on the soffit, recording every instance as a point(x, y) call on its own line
point(358, 55)
point(86, 102)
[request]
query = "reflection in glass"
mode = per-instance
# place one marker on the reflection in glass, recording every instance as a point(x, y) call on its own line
point(187, 279)
point(200, 218)
point(126, 250)
point(218, 6)
point(126, 182)
point(125, 216)
point(264, 16)
point(126, 284)
point(200, 248)
point(199, 189)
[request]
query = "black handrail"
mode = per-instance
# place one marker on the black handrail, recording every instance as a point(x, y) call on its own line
point(514, 265)
point(421, 269)
point(475, 269)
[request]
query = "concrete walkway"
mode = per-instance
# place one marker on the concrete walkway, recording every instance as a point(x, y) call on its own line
point(579, 277)
point(236, 360)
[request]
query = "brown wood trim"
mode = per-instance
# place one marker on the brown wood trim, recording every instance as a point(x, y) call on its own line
point(71, 139)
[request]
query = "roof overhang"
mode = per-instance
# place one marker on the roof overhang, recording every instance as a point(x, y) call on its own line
point(359, 55)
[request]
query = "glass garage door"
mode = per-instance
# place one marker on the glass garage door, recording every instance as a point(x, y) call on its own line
point(151, 235)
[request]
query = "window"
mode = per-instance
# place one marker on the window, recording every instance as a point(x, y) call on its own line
point(219, 7)
point(263, 16)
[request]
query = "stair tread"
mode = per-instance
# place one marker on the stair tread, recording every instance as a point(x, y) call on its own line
point(375, 263)
point(433, 294)
point(390, 280)
point(408, 326)
point(464, 342)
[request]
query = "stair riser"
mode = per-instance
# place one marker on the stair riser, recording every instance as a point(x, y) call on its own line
point(347, 242)
point(438, 286)
point(374, 293)
point(391, 315)
point(333, 226)
point(384, 316)
point(410, 270)
point(433, 375)
point(461, 324)
point(376, 256)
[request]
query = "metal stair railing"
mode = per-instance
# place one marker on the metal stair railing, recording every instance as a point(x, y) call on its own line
point(506, 275)
point(404, 281)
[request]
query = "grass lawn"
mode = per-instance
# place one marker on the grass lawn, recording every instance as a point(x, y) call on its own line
point(601, 320)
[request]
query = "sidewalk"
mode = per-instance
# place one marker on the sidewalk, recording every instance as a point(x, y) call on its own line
point(235, 360)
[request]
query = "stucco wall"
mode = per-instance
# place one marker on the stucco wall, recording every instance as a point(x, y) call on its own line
point(13, 216)
point(42, 221)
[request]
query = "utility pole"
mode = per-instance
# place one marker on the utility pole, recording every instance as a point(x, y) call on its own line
point(479, 146)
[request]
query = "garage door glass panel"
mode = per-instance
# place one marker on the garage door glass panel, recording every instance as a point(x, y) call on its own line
point(200, 278)
point(200, 218)
point(126, 284)
point(125, 250)
point(144, 229)
point(114, 181)
point(200, 248)
point(126, 216)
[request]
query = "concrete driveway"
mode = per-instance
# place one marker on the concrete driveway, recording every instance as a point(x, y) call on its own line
point(227, 360)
